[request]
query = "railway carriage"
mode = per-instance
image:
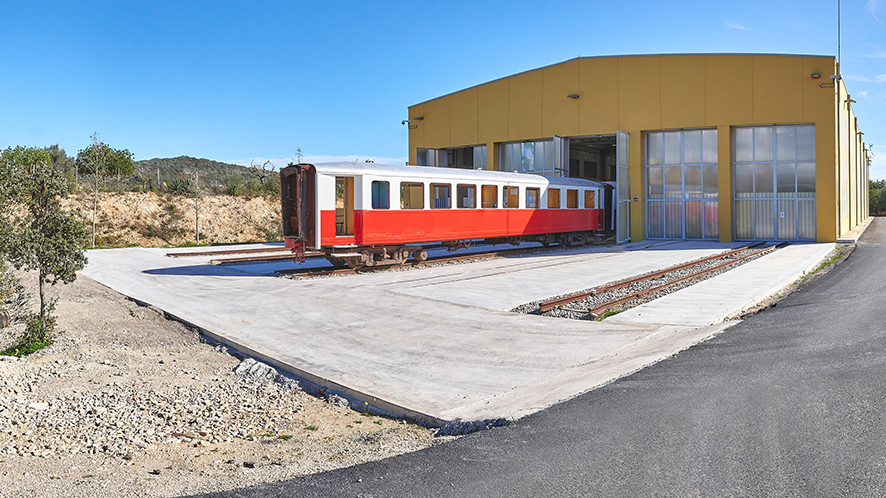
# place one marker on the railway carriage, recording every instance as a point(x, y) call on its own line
point(366, 214)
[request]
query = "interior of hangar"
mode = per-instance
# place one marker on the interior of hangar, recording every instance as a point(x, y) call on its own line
point(717, 147)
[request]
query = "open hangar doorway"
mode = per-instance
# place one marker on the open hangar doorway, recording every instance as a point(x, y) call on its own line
point(593, 158)
point(604, 158)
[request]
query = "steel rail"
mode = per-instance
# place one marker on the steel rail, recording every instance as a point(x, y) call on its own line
point(600, 309)
point(225, 252)
point(320, 272)
point(546, 306)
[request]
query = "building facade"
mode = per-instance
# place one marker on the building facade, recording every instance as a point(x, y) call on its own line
point(720, 147)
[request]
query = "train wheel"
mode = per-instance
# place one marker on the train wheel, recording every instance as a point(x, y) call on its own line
point(337, 262)
point(420, 255)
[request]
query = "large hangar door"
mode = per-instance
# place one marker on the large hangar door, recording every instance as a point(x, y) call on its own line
point(622, 188)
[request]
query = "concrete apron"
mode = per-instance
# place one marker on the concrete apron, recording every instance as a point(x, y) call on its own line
point(451, 358)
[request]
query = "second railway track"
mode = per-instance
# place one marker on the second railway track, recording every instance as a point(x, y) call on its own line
point(597, 302)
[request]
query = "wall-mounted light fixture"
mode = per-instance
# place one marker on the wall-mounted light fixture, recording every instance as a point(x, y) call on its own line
point(410, 120)
point(572, 96)
point(815, 75)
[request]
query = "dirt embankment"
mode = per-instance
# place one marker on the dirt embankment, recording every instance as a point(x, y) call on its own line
point(149, 219)
point(128, 404)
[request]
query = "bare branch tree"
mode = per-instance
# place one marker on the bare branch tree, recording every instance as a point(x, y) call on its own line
point(196, 193)
point(262, 171)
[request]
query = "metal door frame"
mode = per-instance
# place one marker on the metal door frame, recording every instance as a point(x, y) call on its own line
point(774, 199)
point(622, 137)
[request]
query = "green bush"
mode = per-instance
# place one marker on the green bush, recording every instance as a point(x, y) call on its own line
point(39, 333)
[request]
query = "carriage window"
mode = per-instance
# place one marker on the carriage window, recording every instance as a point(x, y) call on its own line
point(553, 198)
point(381, 195)
point(440, 198)
point(467, 196)
point(572, 199)
point(490, 196)
point(590, 199)
point(412, 196)
point(512, 197)
point(532, 198)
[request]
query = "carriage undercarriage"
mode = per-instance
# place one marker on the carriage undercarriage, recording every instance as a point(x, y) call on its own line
point(385, 255)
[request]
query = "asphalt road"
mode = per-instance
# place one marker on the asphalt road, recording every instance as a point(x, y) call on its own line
point(791, 402)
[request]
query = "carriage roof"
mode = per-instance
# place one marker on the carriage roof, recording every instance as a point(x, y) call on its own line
point(446, 174)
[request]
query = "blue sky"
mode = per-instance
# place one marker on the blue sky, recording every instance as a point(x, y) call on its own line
point(233, 81)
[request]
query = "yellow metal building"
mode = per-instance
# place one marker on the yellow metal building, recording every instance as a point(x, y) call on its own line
point(723, 147)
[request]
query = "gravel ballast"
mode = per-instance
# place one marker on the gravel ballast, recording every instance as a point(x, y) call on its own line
point(578, 310)
point(127, 403)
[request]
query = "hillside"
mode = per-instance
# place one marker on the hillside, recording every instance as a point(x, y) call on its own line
point(150, 219)
point(212, 173)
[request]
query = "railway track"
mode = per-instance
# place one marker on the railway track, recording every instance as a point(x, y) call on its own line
point(271, 253)
point(731, 257)
point(323, 272)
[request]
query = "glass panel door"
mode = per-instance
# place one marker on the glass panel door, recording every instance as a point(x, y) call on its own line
point(622, 188)
point(774, 182)
point(682, 188)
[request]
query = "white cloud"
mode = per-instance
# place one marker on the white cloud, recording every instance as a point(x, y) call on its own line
point(735, 25)
point(880, 78)
point(855, 77)
point(878, 54)
point(281, 162)
point(863, 94)
point(873, 7)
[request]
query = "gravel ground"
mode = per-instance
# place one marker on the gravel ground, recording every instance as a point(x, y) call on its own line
point(578, 310)
point(127, 403)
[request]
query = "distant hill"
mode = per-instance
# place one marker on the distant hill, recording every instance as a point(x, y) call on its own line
point(173, 168)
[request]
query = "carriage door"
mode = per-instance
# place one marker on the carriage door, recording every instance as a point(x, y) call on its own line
point(622, 188)
point(344, 205)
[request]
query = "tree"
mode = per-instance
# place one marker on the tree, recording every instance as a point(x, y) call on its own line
point(99, 163)
point(38, 235)
point(876, 196)
point(196, 193)
point(298, 155)
point(61, 161)
point(262, 171)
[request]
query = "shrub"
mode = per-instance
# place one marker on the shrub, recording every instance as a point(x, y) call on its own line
point(39, 333)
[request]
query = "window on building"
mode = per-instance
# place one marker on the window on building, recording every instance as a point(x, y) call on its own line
point(590, 199)
point(529, 157)
point(440, 198)
point(572, 199)
point(512, 197)
point(381, 196)
point(489, 194)
point(532, 195)
point(473, 157)
point(553, 198)
point(412, 196)
point(467, 196)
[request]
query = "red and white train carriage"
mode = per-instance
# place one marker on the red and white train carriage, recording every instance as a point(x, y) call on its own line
point(366, 214)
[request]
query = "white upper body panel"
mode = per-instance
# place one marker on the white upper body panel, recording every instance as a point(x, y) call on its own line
point(365, 173)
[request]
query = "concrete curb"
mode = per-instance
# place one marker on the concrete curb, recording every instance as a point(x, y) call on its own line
point(313, 384)
point(773, 291)
point(854, 239)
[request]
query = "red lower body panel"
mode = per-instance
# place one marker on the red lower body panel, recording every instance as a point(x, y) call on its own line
point(378, 227)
